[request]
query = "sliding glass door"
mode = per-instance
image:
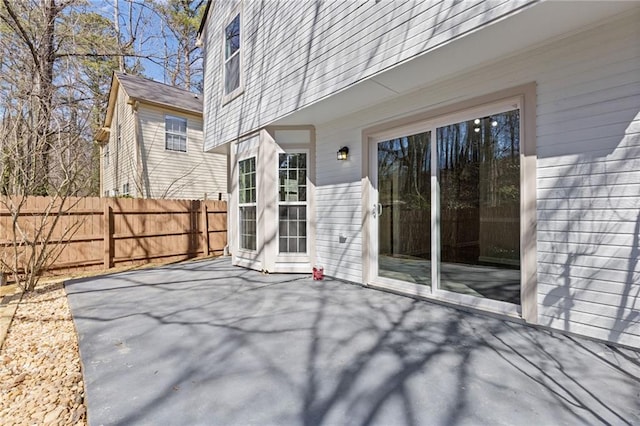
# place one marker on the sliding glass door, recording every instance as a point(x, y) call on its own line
point(403, 208)
point(446, 213)
point(479, 178)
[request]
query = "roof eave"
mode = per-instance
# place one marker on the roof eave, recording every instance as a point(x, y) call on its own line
point(113, 95)
point(203, 22)
point(102, 135)
point(166, 106)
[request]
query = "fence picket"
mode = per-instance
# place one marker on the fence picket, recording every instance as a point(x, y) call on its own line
point(111, 232)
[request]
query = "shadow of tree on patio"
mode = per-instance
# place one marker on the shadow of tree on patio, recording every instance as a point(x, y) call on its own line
point(282, 349)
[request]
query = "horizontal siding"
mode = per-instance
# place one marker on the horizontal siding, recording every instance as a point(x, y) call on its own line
point(392, 45)
point(590, 163)
point(126, 156)
point(600, 191)
point(319, 54)
point(178, 175)
point(578, 237)
point(590, 259)
point(338, 209)
point(606, 285)
point(551, 248)
point(107, 175)
point(603, 332)
point(122, 166)
point(588, 174)
point(589, 144)
point(593, 179)
point(603, 326)
point(610, 300)
point(615, 321)
point(339, 205)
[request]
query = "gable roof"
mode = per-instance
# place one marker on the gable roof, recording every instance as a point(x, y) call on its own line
point(145, 90)
point(150, 92)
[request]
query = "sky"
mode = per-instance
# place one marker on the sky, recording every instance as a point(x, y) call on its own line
point(151, 34)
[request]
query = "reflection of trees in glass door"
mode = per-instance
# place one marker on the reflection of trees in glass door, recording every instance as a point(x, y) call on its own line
point(476, 218)
point(404, 208)
point(479, 177)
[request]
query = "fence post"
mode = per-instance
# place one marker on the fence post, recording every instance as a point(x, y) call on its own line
point(204, 220)
point(108, 235)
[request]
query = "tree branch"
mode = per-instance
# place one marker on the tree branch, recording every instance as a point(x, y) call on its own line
point(23, 33)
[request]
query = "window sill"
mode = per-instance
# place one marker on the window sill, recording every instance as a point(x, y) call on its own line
point(292, 256)
point(233, 95)
point(247, 254)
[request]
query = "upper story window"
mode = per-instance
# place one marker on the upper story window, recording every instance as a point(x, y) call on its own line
point(175, 133)
point(232, 56)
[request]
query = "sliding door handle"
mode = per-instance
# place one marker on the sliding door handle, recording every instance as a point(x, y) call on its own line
point(376, 211)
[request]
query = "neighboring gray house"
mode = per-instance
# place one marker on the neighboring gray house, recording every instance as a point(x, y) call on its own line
point(151, 144)
point(493, 150)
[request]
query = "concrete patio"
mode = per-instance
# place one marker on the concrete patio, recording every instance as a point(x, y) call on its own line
point(204, 343)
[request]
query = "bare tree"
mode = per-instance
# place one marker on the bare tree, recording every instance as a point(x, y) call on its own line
point(56, 62)
point(46, 107)
point(183, 59)
point(35, 239)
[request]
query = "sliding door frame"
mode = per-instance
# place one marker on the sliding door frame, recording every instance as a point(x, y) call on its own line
point(522, 98)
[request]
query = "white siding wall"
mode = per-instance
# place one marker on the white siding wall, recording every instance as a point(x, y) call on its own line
point(296, 53)
point(172, 174)
point(107, 175)
point(338, 201)
point(588, 147)
point(121, 167)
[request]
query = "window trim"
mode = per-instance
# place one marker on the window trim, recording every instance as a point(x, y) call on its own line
point(292, 203)
point(251, 204)
point(186, 134)
point(228, 97)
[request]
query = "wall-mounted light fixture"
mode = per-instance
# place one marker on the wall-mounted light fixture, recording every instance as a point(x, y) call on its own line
point(343, 153)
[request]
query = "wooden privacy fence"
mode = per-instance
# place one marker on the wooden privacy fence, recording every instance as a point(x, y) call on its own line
point(100, 233)
point(490, 234)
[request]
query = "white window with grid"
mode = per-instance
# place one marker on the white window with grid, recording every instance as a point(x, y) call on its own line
point(292, 202)
point(175, 133)
point(247, 204)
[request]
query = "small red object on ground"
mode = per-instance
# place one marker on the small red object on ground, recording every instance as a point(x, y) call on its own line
point(318, 273)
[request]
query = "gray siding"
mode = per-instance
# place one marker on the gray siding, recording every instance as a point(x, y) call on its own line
point(296, 53)
point(588, 175)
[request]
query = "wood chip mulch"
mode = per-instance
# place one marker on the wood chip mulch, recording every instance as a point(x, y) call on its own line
point(40, 376)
